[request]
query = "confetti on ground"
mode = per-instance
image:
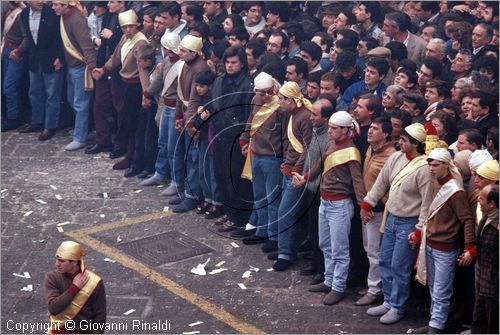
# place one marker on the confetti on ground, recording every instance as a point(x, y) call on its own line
point(63, 223)
point(27, 288)
point(337, 324)
point(138, 191)
point(247, 274)
point(221, 263)
point(58, 197)
point(60, 229)
point(270, 270)
point(4, 190)
point(119, 239)
point(130, 311)
point(190, 333)
point(216, 271)
point(105, 195)
point(28, 213)
point(53, 187)
point(234, 245)
point(195, 323)
point(200, 269)
point(25, 275)
point(42, 173)
point(242, 286)
point(254, 269)
point(165, 209)
point(102, 215)
point(40, 201)
point(109, 260)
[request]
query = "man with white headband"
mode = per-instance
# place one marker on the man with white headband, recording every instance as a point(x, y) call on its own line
point(261, 143)
point(406, 176)
point(80, 57)
point(341, 179)
point(449, 221)
point(74, 293)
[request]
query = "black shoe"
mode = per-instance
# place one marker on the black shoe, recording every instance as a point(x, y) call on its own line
point(9, 124)
point(270, 246)
point(308, 270)
point(317, 278)
point(202, 208)
point(254, 239)
point(273, 256)
point(305, 246)
point(97, 148)
point(214, 212)
point(282, 264)
point(243, 232)
point(117, 152)
point(131, 172)
point(144, 174)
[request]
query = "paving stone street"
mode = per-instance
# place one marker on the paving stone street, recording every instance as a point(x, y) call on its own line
point(144, 253)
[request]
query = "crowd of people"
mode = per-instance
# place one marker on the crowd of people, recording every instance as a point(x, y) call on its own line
point(295, 125)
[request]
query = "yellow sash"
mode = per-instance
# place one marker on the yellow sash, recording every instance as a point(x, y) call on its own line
point(445, 192)
point(264, 112)
point(70, 48)
point(296, 145)
point(179, 88)
point(80, 299)
point(411, 167)
point(340, 157)
point(129, 45)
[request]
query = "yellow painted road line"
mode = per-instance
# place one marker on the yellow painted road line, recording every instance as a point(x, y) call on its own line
point(123, 223)
point(170, 285)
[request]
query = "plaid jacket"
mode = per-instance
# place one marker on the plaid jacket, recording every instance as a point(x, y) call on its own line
point(487, 260)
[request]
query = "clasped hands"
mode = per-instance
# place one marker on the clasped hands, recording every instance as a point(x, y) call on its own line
point(97, 73)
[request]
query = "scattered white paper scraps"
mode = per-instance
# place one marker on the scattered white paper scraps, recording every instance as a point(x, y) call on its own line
point(130, 311)
point(337, 324)
point(254, 269)
point(53, 187)
point(409, 331)
point(355, 315)
point(105, 195)
point(270, 270)
point(41, 173)
point(27, 288)
point(119, 239)
point(25, 275)
point(40, 201)
point(234, 244)
point(60, 229)
point(221, 263)
point(4, 190)
point(63, 223)
point(257, 291)
point(165, 209)
point(200, 269)
point(216, 271)
point(102, 215)
point(247, 274)
point(242, 286)
point(138, 191)
point(28, 213)
point(195, 323)
point(58, 197)
point(193, 332)
point(146, 229)
point(109, 260)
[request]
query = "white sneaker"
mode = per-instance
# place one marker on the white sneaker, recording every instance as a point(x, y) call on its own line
point(74, 145)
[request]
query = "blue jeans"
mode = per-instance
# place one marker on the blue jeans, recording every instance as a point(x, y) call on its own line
point(441, 267)
point(396, 261)
point(168, 148)
point(12, 73)
point(334, 228)
point(289, 216)
point(45, 97)
point(206, 170)
point(266, 185)
point(79, 100)
point(192, 186)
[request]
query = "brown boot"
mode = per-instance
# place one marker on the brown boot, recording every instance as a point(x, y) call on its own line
point(127, 161)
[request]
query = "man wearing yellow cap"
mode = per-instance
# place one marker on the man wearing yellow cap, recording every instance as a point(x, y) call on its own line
point(125, 56)
point(486, 174)
point(292, 207)
point(80, 57)
point(449, 221)
point(74, 293)
point(406, 176)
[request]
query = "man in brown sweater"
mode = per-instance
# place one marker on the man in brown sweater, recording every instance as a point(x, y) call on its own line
point(71, 286)
point(449, 216)
point(381, 147)
point(80, 57)
point(341, 179)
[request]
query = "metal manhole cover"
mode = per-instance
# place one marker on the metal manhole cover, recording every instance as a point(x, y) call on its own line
point(164, 248)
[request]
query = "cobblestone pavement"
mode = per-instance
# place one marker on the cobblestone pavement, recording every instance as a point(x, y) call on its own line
point(144, 255)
